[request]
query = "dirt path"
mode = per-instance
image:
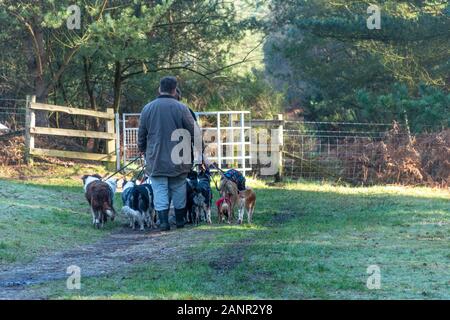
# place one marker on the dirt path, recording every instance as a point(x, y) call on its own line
point(119, 250)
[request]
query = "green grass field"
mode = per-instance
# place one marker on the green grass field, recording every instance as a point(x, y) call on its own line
point(308, 241)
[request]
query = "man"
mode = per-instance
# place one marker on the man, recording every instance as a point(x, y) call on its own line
point(159, 120)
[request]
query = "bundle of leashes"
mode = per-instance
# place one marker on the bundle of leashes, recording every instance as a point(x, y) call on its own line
point(222, 174)
point(141, 172)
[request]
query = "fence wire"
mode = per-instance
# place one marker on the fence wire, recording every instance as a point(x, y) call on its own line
point(12, 113)
point(329, 150)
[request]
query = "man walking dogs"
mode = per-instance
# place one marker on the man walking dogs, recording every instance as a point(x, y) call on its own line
point(159, 120)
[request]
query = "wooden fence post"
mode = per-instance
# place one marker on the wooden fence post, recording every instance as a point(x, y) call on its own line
point(117, 142)
point(110, 144)
point(242, 134)
point(279, 175)
point(30, 123)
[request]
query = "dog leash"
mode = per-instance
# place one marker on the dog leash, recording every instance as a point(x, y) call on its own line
point(222, 174)
point(217, 168)
point(121, 169)
point(138, 176)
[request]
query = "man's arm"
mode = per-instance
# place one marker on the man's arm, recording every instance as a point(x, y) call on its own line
point(143, 132)
point(190, 124)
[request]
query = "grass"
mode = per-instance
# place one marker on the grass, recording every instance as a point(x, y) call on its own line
point(45, 214)
point(308, 241)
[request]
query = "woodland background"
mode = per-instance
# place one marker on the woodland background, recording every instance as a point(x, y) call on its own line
point(312, 60)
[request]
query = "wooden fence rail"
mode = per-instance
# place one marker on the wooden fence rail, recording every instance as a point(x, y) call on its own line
point(31, 130)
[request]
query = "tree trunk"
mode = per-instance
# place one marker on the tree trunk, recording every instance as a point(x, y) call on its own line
point(36, 61)
point(117, 86)
point(93, 103)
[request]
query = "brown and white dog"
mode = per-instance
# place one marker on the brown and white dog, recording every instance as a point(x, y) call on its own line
point(100, 195)
point(223, 209)
point(247, 202)
point(229, 190)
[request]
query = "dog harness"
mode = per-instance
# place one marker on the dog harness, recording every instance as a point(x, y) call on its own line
point(237, 177)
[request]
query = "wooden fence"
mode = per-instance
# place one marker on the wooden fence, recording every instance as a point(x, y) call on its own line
point(31, 130)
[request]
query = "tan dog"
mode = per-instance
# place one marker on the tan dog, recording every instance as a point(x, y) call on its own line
point(223, 209)
point(229, 190)
point(247, 201)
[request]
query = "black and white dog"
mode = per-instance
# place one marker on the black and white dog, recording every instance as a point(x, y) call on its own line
point(204, 186)
point(191, 186)
point(199, 197)
point(138, 204)
point(100, 196)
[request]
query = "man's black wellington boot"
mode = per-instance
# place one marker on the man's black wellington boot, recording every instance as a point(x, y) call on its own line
point(180, 216)
point(164, 219)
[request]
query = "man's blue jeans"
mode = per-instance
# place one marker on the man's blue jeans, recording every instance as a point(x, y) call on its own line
point(166, 189)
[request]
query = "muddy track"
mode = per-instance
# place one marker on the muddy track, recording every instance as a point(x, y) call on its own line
point(119, 250)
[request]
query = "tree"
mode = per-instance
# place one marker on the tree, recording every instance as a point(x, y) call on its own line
point(42, 21)
point(118, 42)
point(329, 52)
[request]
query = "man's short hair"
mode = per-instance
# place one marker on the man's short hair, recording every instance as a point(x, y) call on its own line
point(168, 84)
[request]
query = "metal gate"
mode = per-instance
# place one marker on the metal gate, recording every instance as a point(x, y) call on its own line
point(226, 134)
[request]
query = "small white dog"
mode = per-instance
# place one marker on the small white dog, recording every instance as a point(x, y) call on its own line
point(134, 217)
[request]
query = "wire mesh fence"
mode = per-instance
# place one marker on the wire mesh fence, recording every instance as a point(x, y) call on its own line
point(330, 150)
point(360, 153)
point(12, 114)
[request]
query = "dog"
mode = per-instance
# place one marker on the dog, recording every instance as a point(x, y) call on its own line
point(247, 202)
point(199, 197)
point(204, 187)
point(100, 196)
point(199, 207)
point(138, 204)
point(191, 186)
point(229, 190)
point(223, 209)
point(134, 216)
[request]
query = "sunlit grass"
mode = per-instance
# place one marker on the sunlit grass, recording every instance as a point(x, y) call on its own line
point(308, 240)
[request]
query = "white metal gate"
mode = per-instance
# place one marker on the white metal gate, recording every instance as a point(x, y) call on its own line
point(130, 127)
point(227, 137)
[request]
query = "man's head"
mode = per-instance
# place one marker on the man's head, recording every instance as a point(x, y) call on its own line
point(168, 85)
